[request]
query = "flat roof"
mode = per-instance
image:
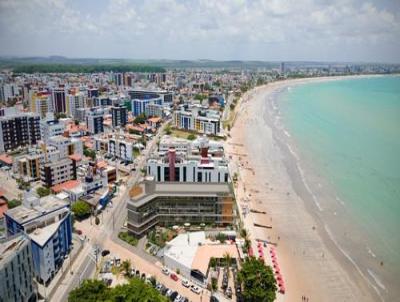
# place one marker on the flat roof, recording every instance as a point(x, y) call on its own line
point(156, 189)
point(42, 235)
point(205, 252)
point(11, 246)
point(47, 204)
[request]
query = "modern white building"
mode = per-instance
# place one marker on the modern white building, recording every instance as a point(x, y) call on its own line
point(66, 145)
point(53, 173)
point(185, 161)
point(50, 126)
point(118, 145)
point(197, 118)
point(94, 120)
point(75, 101)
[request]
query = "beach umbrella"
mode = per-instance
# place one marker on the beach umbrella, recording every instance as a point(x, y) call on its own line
point(282, 289)
point(279, 276)
point(277, 270)
point(274, 261)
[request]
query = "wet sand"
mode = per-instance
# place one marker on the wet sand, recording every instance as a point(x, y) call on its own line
point(270, 181)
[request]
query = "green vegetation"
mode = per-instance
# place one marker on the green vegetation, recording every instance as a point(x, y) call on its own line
point(214, 284)
point(257, 281)
point(125, 236)
point(89, 153)
point(221, 237)
point(80, 68)
point(13, 203)
point(97, 291)
point(23, 185)
point(191, 137)
point(200, 97)
point(59, 115)
point(126, 267)
point(140, 119)
point(42, 191)
point(136, 152)
point(168, 130)
point(81, 209)
point(160, 237)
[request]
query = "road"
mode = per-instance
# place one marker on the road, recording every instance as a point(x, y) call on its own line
point(111, 222)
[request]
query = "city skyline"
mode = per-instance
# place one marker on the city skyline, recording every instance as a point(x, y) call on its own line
point(308, 30)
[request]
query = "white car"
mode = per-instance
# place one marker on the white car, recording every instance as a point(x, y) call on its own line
point(195, 289)
point(185, 283)
point(178, 298)
point(165, 271)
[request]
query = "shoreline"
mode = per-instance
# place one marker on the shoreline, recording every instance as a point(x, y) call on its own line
point(312, 263)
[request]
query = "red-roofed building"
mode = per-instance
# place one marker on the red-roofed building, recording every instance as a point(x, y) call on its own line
point(6, 160)
point(68, 185)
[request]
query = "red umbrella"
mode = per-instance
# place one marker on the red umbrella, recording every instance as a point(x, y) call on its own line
point(277, 270)
point(259, 244)
point(273, 256)
point(282, 289)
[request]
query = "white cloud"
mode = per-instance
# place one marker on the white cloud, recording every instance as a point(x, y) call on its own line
point(223, 29)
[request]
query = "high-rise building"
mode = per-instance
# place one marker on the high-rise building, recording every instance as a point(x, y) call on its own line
point(50, 126)
point(47, 223)
point(59, 100)
point(16, 270)
point(94, 120)
point(118, 79)
point(119, 116)
point(41, 103)
point(169, 203)
point(75, 101)
point(19, 130)
point(139, 106)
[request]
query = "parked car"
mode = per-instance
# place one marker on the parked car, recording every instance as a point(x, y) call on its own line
point(195, 289)
point(105, 253)
point(178, 298)
point(165, 271)
point(229, 292)
point(169, 293)
point(174, 277)
point(185, 283)
point(173, 296)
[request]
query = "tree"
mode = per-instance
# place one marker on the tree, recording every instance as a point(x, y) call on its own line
point(97, 291)
point(42, 192)
point(214, 284)
point(213, 262)
point(257, 281)
point(227, 261)
point(13, 203)
point(126, 266)
point(80, 209)
point(90, 291)
point(89, 153)
point(140, 119)
point(191, 137)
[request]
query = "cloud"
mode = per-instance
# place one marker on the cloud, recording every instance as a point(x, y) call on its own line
point(223, 29)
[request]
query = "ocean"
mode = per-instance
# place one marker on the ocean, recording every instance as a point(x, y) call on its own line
point(347, 135)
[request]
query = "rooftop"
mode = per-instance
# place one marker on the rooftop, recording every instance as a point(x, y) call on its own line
point(10, 247)
point(42, 235)
point(23, 214)
point(150, 189)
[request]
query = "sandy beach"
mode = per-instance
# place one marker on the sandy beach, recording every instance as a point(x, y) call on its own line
point(269, 180)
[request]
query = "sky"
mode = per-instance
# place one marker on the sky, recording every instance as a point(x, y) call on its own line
point(269, 30)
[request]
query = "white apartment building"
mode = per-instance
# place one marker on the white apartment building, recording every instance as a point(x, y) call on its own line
point(198, 118)
point(66, 145)
point(49, 127)
point(118, 145)
point(75, 101)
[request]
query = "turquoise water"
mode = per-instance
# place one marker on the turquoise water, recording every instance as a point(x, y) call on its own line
point(350, 129)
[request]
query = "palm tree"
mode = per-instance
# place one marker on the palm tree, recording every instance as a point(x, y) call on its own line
point(126, 266)
point(244, 233)
point(228, 261)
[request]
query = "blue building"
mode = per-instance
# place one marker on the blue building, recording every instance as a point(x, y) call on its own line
point(47, 223)
point(139, 105)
